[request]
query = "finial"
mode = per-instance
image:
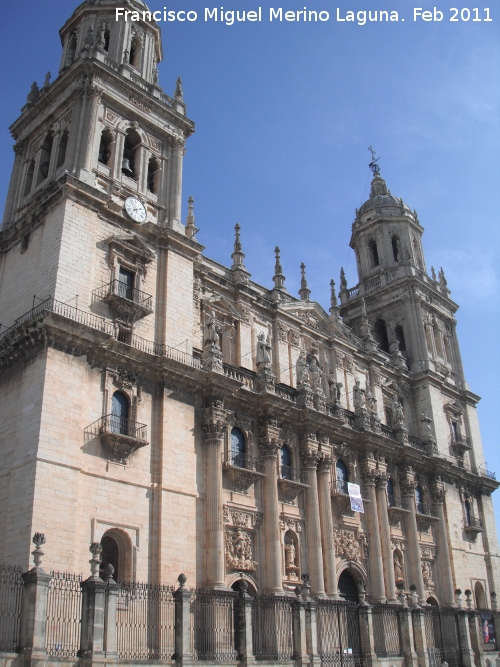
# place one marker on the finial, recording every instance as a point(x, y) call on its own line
point(442, 280)
point(95, 549)
point(191, 228)
point(433, 274)
point(178, 90)
point(304, 292)
point(334, 308)
point(38, 541)
point(278, 278)
point(237, 256)
point(33, 94)
point(373, 164)
point(343, 281)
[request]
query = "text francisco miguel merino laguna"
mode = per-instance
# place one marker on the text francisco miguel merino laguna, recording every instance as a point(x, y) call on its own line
point(229, 17)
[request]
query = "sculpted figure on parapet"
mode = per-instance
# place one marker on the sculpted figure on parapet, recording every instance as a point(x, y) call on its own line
point(212, 329)
point(358, 395)
point(399, 415)
point(371, 400)
point(263, 349)
point(317, 374)
point(302, 369)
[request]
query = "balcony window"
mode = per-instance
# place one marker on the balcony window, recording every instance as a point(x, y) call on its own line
point(342, 477)
point(126, 281)
point(286, 462)
point(238, 448)
point(119, 413)
point(419, 500)
point(390, 493)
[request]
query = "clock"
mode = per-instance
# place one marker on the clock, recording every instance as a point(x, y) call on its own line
point(135, 209)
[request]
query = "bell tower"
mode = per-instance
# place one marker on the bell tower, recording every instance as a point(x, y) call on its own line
point(396, 304)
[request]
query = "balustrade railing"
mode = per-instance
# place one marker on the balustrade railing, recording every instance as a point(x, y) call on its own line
point(372, 284)
point(418, 444)
point(387, 631)
point(64, 615)
point(272, 628)
point(388, 431)
point(286, 392)
point(212, 623)
point(242, 375)
point(11, 589)
point(292, 474)
point(145, 621)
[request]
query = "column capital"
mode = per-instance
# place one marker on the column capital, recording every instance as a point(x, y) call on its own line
point(325, 463)
point(437, 490)
point(214, 418)
point(310, 457)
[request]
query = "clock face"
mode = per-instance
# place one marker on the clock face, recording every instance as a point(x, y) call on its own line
point(135, 209)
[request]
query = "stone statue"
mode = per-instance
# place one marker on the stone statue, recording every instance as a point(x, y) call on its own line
point(33, 94)
point(427, 575)
point(371, 400)
point(358, 396)
point(398, 570)
point(399, 415)
point(316, 372)
point(426, 421)
point(302, 369)
point(212, 329)
point(263, 349)
point(290, 555)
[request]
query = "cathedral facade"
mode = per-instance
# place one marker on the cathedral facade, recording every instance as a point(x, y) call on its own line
point(190, 420)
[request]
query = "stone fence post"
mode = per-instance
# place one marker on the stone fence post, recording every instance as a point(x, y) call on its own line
point(407, 637)
point(34, 608)
point(244, 639)
point(465, 638)
point(299, 630)
point(182, 599)
point(312, 634)
point(420, 639)
point(93, 610)
point(366, 638)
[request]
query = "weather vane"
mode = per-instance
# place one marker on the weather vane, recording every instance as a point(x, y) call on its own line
point(373, 164)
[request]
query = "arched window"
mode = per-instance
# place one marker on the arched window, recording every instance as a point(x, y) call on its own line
point(46, 152)
point(130, 150)
point(61, 149)
point(380, 335)
point(153, 169)
point(468, 513)
point(388, 416)
point(396, 248)
point(285, 462)
point(348, 589)
point(400, 335)
point(419, 499)
point(480, 596)
point(135, 54)
point(109, 556)
point(29, 178)
point(119, 413)
point(342, 477)
point(238, 448)
point(105, 146)
point(373, 253)
point(390, 493)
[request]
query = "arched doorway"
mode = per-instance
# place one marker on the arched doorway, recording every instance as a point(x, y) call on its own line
point(348, 589)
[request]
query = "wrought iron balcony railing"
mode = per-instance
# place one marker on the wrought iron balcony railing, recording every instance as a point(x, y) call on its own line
point(243, 470)
point(246, 462)
point(474, 523)
point(128, 302)
point(339, 486)
point(292, 474)
point(122, 436)
point(291, 482)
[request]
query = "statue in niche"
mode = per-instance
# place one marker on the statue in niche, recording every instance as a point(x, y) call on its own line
point(317, 374)
point(398, 568)
point(212, 329)
point(291, 567)
point(427, 575)
point(263, 349)
point(358, 396)
point(239, 551)
point(302, 369)
point(397, 408)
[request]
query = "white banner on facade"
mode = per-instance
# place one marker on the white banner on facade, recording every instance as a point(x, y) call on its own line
point(355, 496)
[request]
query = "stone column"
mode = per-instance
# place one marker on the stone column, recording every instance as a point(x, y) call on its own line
point(465, 639)
point(419, 637)
point(14, 186)
point(34, 607)
point(270, 443)
point(385, 539)
point(174, 216)
point(110, 613)
point(440, 531)
point(326, 522)
point(116, 163)
point(376, 564)
point(214, 425)
point(244, 643)
point(310, 457)
point(408, 485)
point(182, 597)
point(93, 95)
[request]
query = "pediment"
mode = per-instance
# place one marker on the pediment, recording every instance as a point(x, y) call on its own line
point(221, 305)
point(131, 244)
point(310, 313)
point(454, 408)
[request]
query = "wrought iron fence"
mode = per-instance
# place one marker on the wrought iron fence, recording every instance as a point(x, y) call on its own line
point(292, 474)
point(145, 618)
point(272, 628)
point(443, 637)
point(212, 623)
point(11, 590)
point(387, 631)
point(338, 633)
point(64, 614)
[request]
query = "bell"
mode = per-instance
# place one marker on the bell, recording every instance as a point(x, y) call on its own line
point(126, 167)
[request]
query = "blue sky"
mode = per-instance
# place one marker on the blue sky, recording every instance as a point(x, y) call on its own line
point(284, 114)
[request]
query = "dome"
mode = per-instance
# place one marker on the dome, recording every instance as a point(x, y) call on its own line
point(380, 197)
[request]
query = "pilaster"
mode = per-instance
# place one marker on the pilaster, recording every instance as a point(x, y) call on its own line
point(310, 457)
